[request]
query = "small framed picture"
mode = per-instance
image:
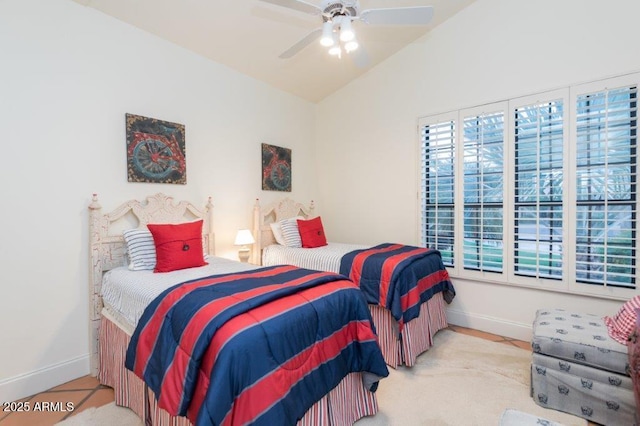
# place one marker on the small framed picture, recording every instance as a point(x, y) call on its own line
point(155, 151)
point(276, 168)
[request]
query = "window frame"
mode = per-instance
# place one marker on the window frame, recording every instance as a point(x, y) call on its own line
point(573, 285)
point(432, 120)
point(482, 275)
point(568, 284)
point(512, 277)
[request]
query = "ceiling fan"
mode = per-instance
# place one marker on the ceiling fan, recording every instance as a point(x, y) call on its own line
point(336, 32)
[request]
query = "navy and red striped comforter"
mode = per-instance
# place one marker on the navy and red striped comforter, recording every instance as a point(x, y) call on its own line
point(398, 277)
point(255, 347)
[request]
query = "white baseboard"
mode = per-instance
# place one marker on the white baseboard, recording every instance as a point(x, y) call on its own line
point(489, 324)
point(28, 384)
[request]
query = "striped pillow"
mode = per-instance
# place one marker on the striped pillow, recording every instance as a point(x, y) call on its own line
point(141, 249)
point(290, 232)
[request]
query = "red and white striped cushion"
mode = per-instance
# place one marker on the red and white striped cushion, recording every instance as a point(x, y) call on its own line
point(622, 324)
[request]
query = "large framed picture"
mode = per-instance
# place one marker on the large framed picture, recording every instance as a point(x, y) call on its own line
point(276, 168)
point(155, 150)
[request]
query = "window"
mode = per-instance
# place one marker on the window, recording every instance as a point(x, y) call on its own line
point(538, 198)
point(483, 187)
point(606, 187)
point(437, 157)
point(542, 192)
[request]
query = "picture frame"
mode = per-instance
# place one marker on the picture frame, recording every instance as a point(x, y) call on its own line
point(276, 168)
point(155, 150)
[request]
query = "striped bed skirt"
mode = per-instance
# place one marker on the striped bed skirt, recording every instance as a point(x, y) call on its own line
point(343, 405)
point(417, 336)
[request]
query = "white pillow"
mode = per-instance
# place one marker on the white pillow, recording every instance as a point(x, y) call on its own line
point(141, 249)
point(277, 233)
point(290, 232)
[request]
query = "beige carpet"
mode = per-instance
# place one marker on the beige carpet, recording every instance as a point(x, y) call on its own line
point(461, 381)
point(107, 415)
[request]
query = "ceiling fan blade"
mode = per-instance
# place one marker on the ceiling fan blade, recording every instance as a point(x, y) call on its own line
point(419, 15)
point(299, 5)
point(307, 40)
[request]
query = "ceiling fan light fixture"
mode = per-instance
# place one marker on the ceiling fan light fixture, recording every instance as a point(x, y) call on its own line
point(327, 34)
point(350, 46)
point(346, 30)
point(336, 32)
point(335, 50)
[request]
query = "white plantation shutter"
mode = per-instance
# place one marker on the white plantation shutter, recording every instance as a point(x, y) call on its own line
point(483, 163)
point(606, 190)
point(537, 191)
point(437, 157)
point(539, 179)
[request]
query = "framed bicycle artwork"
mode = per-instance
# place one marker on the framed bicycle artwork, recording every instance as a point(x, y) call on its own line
point(276, 168)
point(155, 151)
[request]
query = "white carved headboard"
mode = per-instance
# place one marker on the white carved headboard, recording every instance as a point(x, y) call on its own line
point(107, 249)
point(275, 212)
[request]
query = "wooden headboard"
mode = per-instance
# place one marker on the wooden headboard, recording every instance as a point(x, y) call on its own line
point(107, 248)
point(274, 212)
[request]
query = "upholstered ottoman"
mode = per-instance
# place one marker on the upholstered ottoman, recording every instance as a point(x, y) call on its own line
point(577, 368)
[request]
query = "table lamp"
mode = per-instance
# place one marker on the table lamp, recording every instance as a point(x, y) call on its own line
point(244, 238)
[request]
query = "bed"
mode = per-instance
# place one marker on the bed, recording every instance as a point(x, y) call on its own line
point(401, 341)
point(240, 351)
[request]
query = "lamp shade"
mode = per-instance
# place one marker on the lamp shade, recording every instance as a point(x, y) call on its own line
point(346, 31)
point(335, 50)
point(350, 46)
point(327, 34)
point(244, 237)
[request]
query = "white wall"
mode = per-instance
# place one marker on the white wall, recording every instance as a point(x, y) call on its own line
point(68, 75)
point(492, 50)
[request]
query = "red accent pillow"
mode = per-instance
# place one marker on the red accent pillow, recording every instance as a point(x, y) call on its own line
point(312, 233)
point(177, 246)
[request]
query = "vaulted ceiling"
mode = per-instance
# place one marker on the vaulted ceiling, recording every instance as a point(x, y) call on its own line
point(249, 36)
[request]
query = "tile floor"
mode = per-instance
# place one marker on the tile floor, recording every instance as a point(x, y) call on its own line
point(86, 392)
point(83, 393)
